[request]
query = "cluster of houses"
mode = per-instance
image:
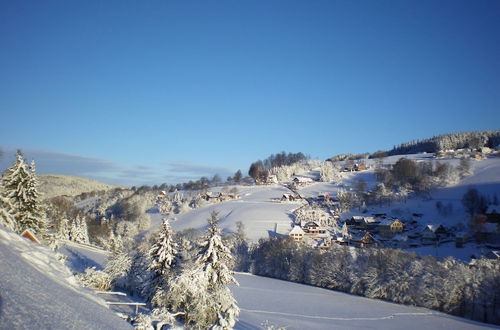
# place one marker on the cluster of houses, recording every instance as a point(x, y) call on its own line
point(480, 153)
point(311, 233)
point(217, 197)
point(379, 230)
point(355, 167)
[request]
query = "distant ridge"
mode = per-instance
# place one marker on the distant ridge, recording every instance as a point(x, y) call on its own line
point(472, 140)
point(52, 185)
point(442, 142)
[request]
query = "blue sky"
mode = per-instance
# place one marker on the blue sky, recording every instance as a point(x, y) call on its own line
point(139, 92)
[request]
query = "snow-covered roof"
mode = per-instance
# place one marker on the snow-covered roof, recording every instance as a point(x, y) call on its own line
point(311, 223)
point(433, 228)
point(386, 222)
point(493, 209)
point(297, 230)
point(302, 179)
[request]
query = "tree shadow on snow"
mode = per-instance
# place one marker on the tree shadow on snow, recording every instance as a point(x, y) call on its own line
point(79, 263)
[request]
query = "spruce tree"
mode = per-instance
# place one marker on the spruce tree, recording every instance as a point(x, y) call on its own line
point(6, 217)
point(202, 291)
point(163, 255)
point(20, 187)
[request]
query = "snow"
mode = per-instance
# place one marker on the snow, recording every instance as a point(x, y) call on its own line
point(297, 306)
point(254, 209)
point(38, 292)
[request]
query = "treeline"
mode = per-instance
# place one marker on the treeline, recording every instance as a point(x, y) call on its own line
point(421, 176)
point(202, 183)
point(472, 140)
point(447, 285)
point(451, 141)
point(259, 170)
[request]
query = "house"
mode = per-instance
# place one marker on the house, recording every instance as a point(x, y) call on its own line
point(388, 228)
point(359, 167)
point(313, 228)
point(368, 241)
point(356, 221)
point(302, 180)
point(371, 223)
point(290, 197)
point(297, 234)
point(428, 234)
point(28, 234)
point(342, 240)
point(434, 232)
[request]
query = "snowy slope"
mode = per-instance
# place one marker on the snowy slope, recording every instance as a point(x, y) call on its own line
point(52, 185)
point(38, 292)
point(255, 209)
point(297, 306)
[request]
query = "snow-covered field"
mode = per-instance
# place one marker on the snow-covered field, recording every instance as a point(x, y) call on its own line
point(255, 209)
point(261, 216)
point(280, 303)
point(296, 306)
point(38, 292)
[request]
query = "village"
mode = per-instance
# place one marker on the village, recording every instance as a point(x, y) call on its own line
point(322, 227)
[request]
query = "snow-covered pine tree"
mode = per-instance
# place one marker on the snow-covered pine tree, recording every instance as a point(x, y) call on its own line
point(163, 255)
point(202, 292)
point(345, 232)
point(6, 218)
point(78, 231)
point(20, 187)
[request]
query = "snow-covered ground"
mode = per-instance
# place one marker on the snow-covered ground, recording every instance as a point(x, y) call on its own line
point(261, 216)
point(38, 292)
point(296, 306)
point(257, 209)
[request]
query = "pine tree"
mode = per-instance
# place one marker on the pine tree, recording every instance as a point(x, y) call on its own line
point(78, 231)
point(20, 187)
point(201, 292)
point(163, 255)
point(345, 232)
point(6, 217)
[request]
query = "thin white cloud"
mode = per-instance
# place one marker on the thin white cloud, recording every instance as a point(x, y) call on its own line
point(53, 162)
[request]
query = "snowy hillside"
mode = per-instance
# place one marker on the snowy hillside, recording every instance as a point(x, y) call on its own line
point(257, 209)
point(262, 214)
point(56, 185)
point(38, 292)
point(297, 306)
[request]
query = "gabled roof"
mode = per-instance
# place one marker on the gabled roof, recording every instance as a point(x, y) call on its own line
point(312, 223)
point(386, 222)
point(297, 230)
point(302, 179)
point(29, 235)
point(433, 228)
